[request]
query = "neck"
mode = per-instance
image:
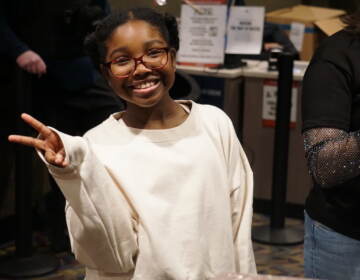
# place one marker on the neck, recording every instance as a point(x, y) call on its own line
point(166, 114)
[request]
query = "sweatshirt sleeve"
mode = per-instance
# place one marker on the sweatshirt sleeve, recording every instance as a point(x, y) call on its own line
point(241, 195)
point(99, 239)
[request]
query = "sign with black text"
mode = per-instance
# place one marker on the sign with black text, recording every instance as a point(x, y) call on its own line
point(245, 30)
point(270, 100)
point(202, 34)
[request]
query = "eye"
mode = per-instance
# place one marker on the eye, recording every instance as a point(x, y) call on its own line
point(155, 52)
point(122, 60)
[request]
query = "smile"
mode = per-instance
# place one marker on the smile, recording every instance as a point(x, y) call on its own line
point(145, 87)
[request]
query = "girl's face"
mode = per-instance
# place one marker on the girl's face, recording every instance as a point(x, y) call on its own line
point(144, 87)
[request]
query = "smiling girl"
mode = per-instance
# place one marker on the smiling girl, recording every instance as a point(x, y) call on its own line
point(162, 190)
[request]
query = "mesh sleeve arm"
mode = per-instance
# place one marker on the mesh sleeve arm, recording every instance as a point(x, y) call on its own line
point(333, 155)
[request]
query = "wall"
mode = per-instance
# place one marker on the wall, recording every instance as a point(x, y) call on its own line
point(173, 6)
point(271, 5)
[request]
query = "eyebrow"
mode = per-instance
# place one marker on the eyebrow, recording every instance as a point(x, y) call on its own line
point(146, 45)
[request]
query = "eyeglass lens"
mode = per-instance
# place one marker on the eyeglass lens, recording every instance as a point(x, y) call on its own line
point(153, 60)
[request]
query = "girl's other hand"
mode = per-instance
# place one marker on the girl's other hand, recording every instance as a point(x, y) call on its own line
point(48, 142)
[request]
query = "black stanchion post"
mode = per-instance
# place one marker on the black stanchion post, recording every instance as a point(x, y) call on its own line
point(277, 233)
point(25, 263)
point(23, 174)
point(281, 143)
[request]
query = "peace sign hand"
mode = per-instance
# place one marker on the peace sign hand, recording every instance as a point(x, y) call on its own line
point(49, 142)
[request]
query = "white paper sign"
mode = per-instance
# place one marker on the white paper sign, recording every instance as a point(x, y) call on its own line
point(245, 30)
point(202, 36)
point(296, 35)
point(270, 100)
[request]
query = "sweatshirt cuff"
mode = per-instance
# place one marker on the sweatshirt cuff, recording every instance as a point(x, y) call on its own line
point(75, 148)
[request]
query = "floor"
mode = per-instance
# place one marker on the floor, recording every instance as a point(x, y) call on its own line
point(279, 260)
point(274, 260)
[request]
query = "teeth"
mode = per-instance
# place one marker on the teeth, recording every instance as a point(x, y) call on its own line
point(144, 85)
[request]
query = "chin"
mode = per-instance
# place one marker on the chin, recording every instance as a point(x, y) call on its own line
point(146, 102)
point(150, 100)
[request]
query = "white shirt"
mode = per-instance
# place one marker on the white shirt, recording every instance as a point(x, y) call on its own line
point(159, 204)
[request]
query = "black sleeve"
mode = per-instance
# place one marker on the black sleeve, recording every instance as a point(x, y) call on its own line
point(332, 151)
point(273, 33)
point(333, 155)
point(326, 95)
point(10, 45)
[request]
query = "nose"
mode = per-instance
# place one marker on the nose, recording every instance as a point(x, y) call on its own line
point(140, 68)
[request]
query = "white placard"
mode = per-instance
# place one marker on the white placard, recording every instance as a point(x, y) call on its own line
point(202, 36)
point(245, 30)
point(296, 35)
point(270, 100)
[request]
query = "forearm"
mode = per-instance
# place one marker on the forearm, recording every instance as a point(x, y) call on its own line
point(242, 211)
point(92, 197)
point(11, 44)
point(333, 155)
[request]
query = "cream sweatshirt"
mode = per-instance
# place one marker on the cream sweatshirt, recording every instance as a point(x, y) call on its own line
point(159, 204)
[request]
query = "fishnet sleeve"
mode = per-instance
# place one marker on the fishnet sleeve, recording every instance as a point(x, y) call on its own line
point(333, 155)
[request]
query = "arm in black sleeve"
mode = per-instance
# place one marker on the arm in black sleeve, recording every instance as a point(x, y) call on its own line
point(273, 33)
point(333, 155)
point(11, 45)
point(332, 152)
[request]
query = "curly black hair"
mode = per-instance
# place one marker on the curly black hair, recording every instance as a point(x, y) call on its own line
point(352, 22)
point(95, 42)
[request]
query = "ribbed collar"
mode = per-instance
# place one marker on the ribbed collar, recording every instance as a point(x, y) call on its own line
point(187, 128)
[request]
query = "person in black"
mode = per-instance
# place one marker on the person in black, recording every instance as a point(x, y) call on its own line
point(331, 130)
point(43, 41)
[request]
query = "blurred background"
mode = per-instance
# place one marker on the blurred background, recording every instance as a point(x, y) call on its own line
point(173, 6)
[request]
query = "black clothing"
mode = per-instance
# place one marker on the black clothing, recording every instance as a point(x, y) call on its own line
point(331, 126)
point(50, 28)
point(273, 33)
point(72, 96)
point(72, 91)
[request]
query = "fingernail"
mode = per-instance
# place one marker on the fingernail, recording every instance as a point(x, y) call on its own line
point(58, 157)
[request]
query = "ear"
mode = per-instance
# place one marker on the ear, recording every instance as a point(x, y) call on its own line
point(173, 57)
point(104, 71)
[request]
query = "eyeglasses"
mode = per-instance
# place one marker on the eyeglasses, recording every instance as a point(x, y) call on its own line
point(123, 66)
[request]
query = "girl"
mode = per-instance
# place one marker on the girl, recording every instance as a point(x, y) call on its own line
point(162, 190)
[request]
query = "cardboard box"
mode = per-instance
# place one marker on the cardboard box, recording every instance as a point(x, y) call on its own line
point(318, 21)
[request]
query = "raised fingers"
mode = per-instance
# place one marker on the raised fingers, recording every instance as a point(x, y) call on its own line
point(28, 141)
point(37, 125)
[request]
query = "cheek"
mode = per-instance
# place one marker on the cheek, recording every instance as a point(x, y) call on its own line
point(168, 78)
point(172, 78)
point(170, 75)
point(118, 87)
